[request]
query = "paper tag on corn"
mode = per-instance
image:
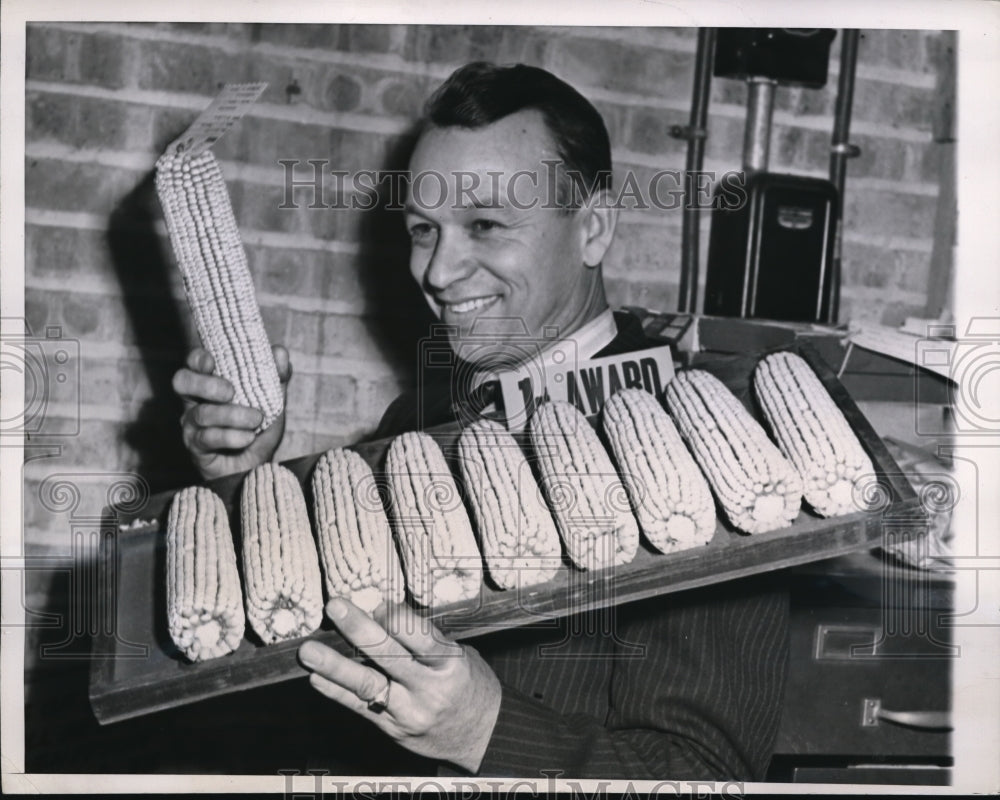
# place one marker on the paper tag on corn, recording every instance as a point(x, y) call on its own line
point(228, 108)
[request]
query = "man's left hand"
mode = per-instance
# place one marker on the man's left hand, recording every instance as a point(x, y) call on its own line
point(443, 699)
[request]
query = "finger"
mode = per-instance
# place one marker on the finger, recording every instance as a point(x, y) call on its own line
point(350, 701)
point(200, 360)
point(364, 682)
point(371, 638)
point(229, 415)
point(283, 362)
point(213, 439)
point(193, 385)
point(417, 634)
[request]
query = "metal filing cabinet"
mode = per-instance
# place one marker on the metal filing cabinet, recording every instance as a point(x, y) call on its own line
point(868, 694)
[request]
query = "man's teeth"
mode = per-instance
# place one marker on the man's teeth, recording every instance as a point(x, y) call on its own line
point(472, 305)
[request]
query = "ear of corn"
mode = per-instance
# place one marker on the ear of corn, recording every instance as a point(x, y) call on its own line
point(217, 280)
point(284, 592)
point(585, 494)
point(436, 542)
point(204, 601)
point(518, 536)
point(755, 485)
point(669, 495)
point(811, 431)
point(355, 543)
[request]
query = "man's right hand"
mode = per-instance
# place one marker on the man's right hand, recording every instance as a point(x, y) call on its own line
point(218, 434)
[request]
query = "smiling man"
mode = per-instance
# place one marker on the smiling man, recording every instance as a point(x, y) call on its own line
point(688, 687)
point(496, 246)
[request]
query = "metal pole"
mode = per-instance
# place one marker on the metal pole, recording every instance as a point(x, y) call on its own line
point(757, 134)
point(840, 150)
point(695, 133)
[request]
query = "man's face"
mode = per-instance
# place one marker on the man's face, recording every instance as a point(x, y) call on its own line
point(483, 247)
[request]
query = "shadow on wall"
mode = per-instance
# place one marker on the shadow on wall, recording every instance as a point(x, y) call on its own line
point(399, 316)
point(143, 270)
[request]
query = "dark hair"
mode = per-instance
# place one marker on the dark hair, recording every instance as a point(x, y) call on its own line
point(481, 93)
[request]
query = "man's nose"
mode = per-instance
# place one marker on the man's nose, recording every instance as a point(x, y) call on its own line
point(451, 261)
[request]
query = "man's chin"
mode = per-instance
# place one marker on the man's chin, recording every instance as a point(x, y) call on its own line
point(494, 353)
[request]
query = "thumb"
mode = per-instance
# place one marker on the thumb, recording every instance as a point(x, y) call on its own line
point(283, 362)
point(200, 360)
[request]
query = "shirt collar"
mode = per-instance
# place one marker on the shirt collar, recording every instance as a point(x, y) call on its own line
point(594, 336)
point(585, 342)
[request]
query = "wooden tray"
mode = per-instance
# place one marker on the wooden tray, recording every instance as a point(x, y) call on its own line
point(137, 670)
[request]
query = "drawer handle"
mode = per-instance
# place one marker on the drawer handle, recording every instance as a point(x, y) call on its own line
point(872, 713)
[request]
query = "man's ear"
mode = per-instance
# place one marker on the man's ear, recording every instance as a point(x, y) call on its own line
point(599, 216)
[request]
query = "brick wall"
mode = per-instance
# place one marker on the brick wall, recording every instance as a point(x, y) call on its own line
point(104, 99)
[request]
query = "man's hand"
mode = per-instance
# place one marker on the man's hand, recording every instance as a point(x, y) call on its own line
point(443, 698)
point(218, 434)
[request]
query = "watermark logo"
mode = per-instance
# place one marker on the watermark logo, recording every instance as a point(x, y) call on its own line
point(910, 623)
point(315, 184)
point(315, 784)
point(92, 566)
point(50, 366)
point(972, 362)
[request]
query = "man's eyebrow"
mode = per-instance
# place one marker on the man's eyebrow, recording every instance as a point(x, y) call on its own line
point(409, 207)
point(493, 203)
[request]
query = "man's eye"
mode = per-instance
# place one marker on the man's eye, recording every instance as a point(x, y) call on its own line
point(421, 232)
point(485, 225)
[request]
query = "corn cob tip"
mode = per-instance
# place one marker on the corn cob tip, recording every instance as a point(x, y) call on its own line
point(283, 623)
point(841, 494)
point(680, 528)
point(455, 586)
point(367, 599)
point(768, 507)
point(208, 634)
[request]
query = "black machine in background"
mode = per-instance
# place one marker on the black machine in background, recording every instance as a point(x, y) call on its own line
point(771, 257)
point(774, 254)
point(790, 56)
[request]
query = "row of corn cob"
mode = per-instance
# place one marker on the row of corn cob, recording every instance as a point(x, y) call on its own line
point(599, 511)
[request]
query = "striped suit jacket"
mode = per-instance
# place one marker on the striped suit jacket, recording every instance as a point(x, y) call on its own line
point(684, 686)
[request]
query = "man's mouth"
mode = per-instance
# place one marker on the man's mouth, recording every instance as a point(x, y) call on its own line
point(475, 304)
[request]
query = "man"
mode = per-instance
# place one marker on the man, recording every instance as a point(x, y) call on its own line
point(683, 687)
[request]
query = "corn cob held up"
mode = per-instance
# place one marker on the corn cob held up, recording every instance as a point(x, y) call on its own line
point(217, 280)
point(585, 494)
point(355, 543)
point(669, 495)
point(284, 592)
point(811, 431)
point(518, 537)
point(204, 602)
point(440, 557)
point(755, 485)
